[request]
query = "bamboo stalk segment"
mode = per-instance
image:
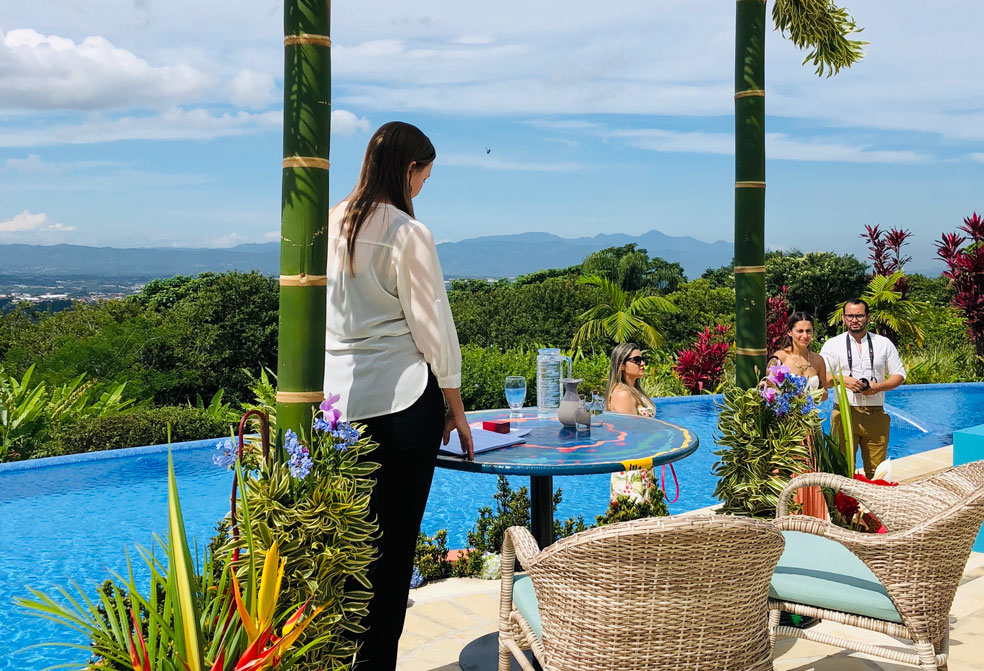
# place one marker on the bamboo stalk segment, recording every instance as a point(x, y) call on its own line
point(749, 269)
point(750, 92)
point(303, 280)
point(305, 162)
point(300, 396)
point(307, 38)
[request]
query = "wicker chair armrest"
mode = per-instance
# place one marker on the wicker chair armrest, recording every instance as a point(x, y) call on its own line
point(808, 480)
point(876, 498)
point(517, 543)
point(523, 545)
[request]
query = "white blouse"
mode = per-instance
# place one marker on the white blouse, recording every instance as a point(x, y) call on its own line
point(390, 320)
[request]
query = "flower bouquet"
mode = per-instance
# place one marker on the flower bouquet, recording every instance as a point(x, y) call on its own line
point(787, 392)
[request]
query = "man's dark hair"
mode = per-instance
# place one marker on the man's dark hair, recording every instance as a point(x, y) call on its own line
point(857, 301)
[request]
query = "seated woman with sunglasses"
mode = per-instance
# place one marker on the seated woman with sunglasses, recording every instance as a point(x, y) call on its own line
point(625, 396)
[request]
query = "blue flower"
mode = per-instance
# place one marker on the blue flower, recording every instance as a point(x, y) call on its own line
point(299, 463)
point(345, 435)
point(322, 425)
point(227, 454)
point(416, 579)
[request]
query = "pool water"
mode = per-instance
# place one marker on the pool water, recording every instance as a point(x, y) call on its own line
point(74, 518)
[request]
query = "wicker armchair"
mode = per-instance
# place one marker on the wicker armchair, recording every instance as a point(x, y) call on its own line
point(899, 583)
point(687, 593)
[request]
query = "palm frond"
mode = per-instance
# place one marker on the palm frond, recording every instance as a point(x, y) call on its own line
point(822, 27)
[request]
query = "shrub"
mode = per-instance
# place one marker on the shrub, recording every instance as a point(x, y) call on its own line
point(965, 270)
point(143, 426)
point(512, 508)
point(701, 367)
point(625, 508)
point(315, 507)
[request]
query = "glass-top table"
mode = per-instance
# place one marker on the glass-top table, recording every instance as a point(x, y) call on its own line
point(619, 443)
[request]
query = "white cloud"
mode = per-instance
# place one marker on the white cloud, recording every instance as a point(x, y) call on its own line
point(173, 124)
point(31, 163)
point(26, 222)
point(977, 156)
point(344, 122)
point(52, 72)
point(252, 89)
point(473, 39)
point(778, 146)
point(271, 236)
point(489, 162)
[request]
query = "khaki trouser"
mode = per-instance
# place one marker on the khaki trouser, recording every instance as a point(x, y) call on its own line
point(871, 425)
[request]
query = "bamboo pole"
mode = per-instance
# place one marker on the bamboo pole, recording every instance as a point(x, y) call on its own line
point(750, 191)
point(304, 213)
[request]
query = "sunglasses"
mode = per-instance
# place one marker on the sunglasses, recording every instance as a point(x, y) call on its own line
point(637, 360)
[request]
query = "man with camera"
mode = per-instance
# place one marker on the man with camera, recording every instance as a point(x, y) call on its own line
point(871, 366)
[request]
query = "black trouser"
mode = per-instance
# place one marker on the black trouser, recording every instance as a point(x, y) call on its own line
point(408, 443)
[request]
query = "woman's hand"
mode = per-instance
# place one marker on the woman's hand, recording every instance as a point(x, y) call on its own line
point(460, 422)
point(455, 419)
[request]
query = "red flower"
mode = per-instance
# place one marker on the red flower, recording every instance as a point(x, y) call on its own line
point(846, 505)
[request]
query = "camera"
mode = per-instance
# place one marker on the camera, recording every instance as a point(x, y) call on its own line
point(864, 383)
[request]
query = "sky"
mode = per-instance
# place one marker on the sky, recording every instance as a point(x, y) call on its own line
point(158, 122)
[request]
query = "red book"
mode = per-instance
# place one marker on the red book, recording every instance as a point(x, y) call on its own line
point(497, 425)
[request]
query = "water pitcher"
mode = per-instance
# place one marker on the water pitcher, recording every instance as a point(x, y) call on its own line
point(549, 372)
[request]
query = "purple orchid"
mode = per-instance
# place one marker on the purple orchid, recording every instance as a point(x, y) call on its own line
point(330, 414)
point(777, 374)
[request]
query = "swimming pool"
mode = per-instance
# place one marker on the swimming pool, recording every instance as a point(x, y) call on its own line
point(72, 518)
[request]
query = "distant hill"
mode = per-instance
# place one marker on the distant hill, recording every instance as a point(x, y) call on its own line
point(491, 256)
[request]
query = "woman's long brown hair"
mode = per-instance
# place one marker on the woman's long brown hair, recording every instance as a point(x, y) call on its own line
point(392, 150)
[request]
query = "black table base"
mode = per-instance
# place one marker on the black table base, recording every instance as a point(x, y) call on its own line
point(541, 509)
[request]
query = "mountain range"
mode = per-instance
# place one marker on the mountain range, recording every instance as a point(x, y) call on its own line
point(484, 257)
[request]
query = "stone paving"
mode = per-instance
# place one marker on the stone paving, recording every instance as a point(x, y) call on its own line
point(446, 615)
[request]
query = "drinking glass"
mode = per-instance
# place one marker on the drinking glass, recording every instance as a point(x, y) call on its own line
point(597, 407)
point(515, 394)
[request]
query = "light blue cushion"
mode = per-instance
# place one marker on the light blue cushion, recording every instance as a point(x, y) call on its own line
point(820, 572)
point(524, 599)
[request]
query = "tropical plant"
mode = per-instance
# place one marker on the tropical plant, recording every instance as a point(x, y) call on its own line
point(776, 319)
point(314, 504)
point(885, 252)
point(701, 367)
point(763, 433)
point(217, 409)
point(660, 379)
point(304, 212)
point(940, 363)
point(965, 270)
point(824, 28)
point(28, 411)
point(619, 318)
point(891, 315)
point(185, 621)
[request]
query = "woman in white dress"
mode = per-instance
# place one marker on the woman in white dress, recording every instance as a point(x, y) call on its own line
point(625, 396)
point(794, 352)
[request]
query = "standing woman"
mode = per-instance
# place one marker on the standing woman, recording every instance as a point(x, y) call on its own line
point(793, 351)
point(625, 395)
point(392, 354)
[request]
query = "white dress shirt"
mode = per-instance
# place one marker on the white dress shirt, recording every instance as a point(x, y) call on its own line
point(887, 363)
point(390, 320)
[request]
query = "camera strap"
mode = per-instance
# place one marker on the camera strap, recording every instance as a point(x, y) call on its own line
point(850, 355)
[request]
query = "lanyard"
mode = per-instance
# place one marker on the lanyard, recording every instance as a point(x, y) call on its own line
point(850, 356)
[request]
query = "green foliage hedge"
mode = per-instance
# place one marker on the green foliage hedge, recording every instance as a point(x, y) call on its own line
point(145, 426)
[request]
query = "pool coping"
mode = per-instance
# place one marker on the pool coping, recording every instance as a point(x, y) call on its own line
point(101, 455)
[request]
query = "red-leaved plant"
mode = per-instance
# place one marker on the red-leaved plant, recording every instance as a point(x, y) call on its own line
point(701, 366)
point(776, 317)
point(885, 252)
point(965, 270)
